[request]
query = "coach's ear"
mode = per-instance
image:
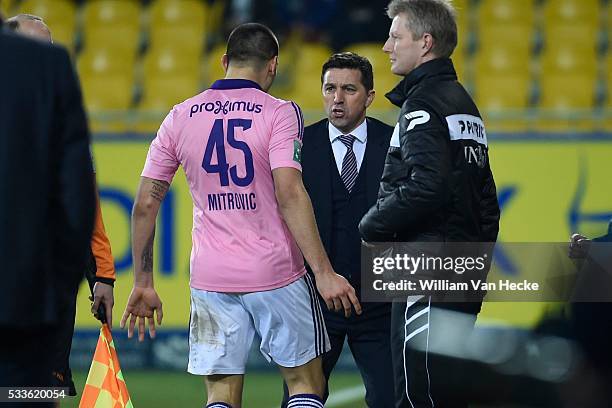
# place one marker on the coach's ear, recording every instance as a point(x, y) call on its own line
point(225, 62)
point(370, 98)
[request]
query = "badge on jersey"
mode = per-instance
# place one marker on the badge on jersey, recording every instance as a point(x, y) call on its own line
point(297, 151)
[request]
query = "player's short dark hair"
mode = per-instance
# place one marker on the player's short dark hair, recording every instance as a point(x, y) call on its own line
point(251, 44)
point(351, 60)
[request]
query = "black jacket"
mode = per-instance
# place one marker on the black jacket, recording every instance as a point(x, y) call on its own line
point(437, 184)
point(47, 200)
point(316, 171)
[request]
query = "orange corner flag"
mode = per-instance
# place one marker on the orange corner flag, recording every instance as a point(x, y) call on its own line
point(105, 386)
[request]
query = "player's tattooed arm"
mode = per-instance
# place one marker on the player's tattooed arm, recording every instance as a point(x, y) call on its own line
point(159, 189)
point(147, 254)
point(148, 200)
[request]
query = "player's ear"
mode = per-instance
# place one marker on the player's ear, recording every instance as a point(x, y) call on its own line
point(273, 66)
point(370, 98)
point(225, 62)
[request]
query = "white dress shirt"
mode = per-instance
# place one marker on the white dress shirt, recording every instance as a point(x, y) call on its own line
point(359, 145)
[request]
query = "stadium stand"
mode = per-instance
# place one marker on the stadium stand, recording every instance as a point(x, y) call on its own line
point(572, 12)
point(112, 23)
point(178, 24)
point(212, 64)
point(306, 89)
point(518, 57)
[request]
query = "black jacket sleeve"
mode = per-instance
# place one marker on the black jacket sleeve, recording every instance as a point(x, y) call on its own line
point(418, 171)
point(76, 195)
point(489, 208)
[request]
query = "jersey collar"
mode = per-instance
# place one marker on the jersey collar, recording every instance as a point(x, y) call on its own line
point(234, 84)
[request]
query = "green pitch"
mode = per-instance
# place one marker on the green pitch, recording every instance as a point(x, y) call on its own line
point(152, 389)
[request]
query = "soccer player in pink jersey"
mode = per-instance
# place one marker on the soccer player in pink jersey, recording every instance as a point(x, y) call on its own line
point(252, 221)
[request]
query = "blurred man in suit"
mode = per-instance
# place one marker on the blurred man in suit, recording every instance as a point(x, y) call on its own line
point(342, 162)
point(47, 203)
point(100, 270)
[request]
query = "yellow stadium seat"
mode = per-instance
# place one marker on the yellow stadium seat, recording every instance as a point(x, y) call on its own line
point(65, 36)
point(516, 35)
point(111, 13)
point(107, 99)
point(463, 26)
point(373, 52)
point(559, 57)
point(59, 15)
point(307, 93)
point(607, 111)
point(163, 92)
point(177, 13)
point(54, 12)
point(506, 12)
point(105, 61)
point(160, 95)
point(459, 62)
point(310, 58)
point(566, 102)
point(170, 61)
point(567, 92)
point(502, 99)
point(212, 64)
point(305, 76)
point(503, 59)
point(572, 11)
point(6, 7)
point(187, 38)
point(578, 35)
point(124, 39)
point(384, 82)
point(607, 66)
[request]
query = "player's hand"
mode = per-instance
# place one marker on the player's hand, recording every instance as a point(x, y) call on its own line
point(103, 294)
point(579, 246)
point(142, 303)
point(337, 293)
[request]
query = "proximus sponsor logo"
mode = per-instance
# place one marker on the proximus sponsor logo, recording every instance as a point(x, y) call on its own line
point(225, 107)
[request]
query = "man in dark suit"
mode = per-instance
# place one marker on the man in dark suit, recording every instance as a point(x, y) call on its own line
point(99, 271)
point(342, 162)
point(47, 202)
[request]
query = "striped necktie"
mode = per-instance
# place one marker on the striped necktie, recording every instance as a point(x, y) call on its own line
point(349, 163)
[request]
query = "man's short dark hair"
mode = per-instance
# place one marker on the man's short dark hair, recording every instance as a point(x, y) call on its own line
point(351, 60)
point(251, 44)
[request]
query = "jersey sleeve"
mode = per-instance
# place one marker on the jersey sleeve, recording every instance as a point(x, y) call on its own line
point(286, 140)
point(162, 162)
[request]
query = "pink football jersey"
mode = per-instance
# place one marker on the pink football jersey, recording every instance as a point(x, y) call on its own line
point(228, 139)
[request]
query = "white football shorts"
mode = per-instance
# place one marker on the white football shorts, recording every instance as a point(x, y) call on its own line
point(223, 325)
